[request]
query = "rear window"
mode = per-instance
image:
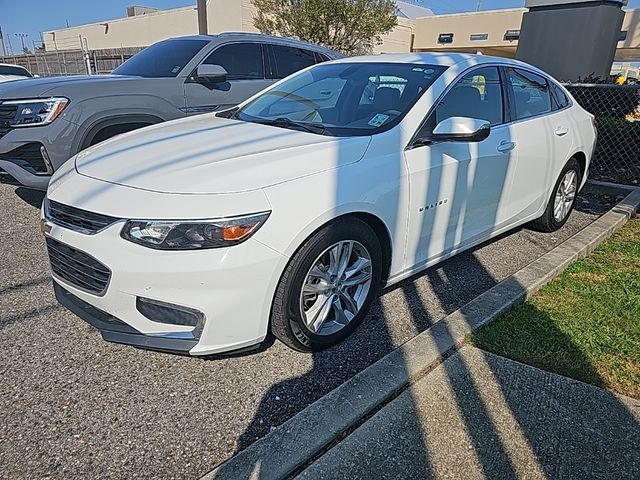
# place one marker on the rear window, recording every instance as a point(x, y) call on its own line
point(163, 59)
point(530, 92)
point(14, 70)
point(288, 60)
point(560, 98)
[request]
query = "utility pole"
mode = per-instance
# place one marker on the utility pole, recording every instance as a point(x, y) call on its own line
point(202, 17)
point(478, 5)
point(22, 37)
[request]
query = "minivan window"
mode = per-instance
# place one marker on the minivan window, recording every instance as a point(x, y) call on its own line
point(476, 95)
point(530, 93)
point(288, 60)
point(14, 70)
point(162, 59)
point(242, 61)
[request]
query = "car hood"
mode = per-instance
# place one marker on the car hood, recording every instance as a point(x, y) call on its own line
point(207, 154)
point(38, 87)
point(11, 78)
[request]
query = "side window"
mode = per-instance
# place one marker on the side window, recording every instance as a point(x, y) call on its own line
point(476, 95)
point(561, 99)
point(320, 57)
point(242, 61)
point(288, 60)
point(530, 93)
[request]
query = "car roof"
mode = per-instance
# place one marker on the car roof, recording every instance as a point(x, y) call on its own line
point(257, 36)
point(447, 59)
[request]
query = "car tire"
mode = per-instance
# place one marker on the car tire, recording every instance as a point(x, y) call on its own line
point(293, 311)
point(562, 200)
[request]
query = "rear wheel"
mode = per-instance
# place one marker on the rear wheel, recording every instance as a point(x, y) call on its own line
point(562, 199)
point(327, 288)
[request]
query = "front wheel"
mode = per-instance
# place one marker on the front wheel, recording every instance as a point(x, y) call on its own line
point(327, 288)
point(562, 199)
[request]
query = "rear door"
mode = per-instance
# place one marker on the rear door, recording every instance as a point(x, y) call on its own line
point(245, 65)
point(286, 59)
point(533, 128)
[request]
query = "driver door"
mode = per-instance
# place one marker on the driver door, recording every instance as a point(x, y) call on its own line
point(458, 189)
point(244, 63)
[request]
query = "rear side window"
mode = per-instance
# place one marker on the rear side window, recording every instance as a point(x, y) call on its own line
point(530, 93)
point(288, 60)
point(476, 95)
point(560, 98)
point(242, 61)
point(320, 57)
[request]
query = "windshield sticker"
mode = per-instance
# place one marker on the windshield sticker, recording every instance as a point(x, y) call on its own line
point(175, 69)
point(378, 120)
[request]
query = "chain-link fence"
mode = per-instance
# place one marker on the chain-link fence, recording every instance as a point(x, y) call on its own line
point(617, 110)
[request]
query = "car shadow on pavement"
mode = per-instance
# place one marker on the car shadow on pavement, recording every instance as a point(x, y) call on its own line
point(30, 196)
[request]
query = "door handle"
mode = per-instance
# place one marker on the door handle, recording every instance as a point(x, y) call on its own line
point(506, 146)
point(560, 131)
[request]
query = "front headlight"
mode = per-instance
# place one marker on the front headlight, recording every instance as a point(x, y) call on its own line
point(193, 234)
point(36, 111)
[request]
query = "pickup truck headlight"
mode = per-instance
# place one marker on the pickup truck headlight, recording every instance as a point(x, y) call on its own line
point(193, 235)
point(36, 112)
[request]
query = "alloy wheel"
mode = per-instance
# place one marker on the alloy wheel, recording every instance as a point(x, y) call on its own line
point(565, 195)
point(336, 287)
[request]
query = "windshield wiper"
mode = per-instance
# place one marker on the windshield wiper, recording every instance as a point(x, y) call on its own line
point(288, 123)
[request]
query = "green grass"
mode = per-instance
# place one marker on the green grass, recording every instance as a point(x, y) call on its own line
point(585, 324)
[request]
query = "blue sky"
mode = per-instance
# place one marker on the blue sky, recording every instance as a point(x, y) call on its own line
point(18, 16)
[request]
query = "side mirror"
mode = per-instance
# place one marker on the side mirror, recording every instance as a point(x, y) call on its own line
point(211, 73)
point(460, 129)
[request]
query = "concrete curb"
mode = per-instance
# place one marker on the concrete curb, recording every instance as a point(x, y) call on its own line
point(308, 434)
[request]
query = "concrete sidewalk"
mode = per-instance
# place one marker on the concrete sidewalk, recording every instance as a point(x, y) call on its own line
point(479, 415)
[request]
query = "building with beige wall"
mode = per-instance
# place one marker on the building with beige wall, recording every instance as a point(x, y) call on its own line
point(496, 32)
point(492, 32)
point(145, 26)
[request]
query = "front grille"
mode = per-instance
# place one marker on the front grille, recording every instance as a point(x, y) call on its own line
point(7, 114)
point(78, 268)
point(76, 218)
point(28, 154)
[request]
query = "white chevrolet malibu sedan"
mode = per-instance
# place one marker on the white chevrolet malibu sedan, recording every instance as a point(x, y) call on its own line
point(286, 214)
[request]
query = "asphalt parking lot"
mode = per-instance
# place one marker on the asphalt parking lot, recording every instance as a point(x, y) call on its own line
point(74, 406)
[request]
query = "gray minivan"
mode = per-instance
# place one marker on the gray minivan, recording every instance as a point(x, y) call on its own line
point(45, 121)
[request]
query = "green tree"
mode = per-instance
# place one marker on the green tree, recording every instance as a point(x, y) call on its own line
point(348, 26)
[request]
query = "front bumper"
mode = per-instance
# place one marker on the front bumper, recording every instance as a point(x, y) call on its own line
point(232, 287)
point(115, 330)
point(58, 138)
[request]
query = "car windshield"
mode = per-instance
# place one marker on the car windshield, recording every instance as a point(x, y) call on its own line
point(163, 59)
point(343, 99)
point(14, 70)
